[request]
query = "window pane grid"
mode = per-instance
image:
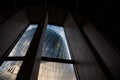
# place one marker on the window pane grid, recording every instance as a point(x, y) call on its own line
point(56, 71)
point(56, 61)
point(11, 64)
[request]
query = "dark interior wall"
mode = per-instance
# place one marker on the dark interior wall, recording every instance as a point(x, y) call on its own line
point(57, 16)
point(86, 64)
point(68, 4)
point(11, 29)
point(92, 9)
point(7, 9)
point(108, 54)
point(36, 14)
point(103, 14)
point(109, 23)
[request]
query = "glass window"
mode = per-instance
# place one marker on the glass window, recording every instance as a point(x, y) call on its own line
point(55, 43)
point(56, 71)
point(9, 70)
point(22, 45)
point(55, 46)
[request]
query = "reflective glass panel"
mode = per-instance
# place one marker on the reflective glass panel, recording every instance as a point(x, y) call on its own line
point(55, 43)
point(9, 70)
point(56, 71)
point(22, 45)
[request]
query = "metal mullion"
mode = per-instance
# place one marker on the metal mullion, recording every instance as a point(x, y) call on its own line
point(27, 65)
point(13, 58)
point(57, 60)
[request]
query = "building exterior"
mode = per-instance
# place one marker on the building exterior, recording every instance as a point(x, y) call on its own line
point(54, 45)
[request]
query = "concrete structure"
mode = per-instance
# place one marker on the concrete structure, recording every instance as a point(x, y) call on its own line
point(94, 57)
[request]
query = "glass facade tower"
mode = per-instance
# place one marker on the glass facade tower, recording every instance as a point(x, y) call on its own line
point(55, 45)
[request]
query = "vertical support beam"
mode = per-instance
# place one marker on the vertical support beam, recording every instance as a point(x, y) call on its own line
point(27, 65)
point(57, 16)
point(26, 71)
point(36, 65)
point(86, 64)
point(108, 54)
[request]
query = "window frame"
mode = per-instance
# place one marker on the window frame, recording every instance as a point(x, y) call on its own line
point(38, 37)
point(67, 61)
point(5, 57)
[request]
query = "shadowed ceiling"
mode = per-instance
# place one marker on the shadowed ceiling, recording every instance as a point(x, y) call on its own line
point(103, 14)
